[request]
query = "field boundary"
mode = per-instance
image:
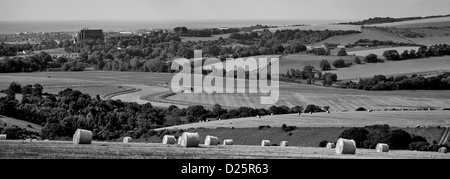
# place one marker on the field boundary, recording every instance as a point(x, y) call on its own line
point(445, 136)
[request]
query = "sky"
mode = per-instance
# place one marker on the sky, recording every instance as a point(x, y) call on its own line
point(52, 10)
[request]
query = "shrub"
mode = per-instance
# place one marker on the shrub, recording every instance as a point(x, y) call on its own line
point(357, 60)
point(342, 52)
point(419, 146)
point(371, 58)
point(263, 127)
point(324, 65)
point(313, 108)
point(323, 143)
point(289, 128)
point(361, 109)
point(399, 139)
point(358, 134)
point(340, 63)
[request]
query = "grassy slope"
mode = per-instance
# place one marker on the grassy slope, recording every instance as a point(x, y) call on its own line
point(20, 123)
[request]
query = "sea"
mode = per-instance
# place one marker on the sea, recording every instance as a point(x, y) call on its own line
point(12, 27)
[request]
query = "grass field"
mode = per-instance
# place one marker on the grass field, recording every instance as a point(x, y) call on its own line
point(59, 150)
point(432, 40)
point(20, 123)
point(401, 119)
point(394, 68)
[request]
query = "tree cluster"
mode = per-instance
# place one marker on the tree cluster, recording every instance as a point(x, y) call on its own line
point(415, 82)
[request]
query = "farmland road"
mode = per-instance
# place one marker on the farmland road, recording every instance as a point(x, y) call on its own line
point(145, 91)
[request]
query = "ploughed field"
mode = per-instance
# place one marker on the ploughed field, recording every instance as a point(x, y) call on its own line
point(65, 149)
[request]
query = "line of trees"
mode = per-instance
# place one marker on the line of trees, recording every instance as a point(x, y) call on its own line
point(415, 82)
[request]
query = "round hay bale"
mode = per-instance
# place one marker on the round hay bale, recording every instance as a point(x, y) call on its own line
point(82, 136)
point(3, 137)
point(169, 139)
point(211, 140)
point(345, 146)
point(382, 147)
point(189, 139)
point(265, 143)
point(442, 150)
point(331, 145)
point(284, 143)
point(179, 140)
point(34, 140)
point(127, 139)
point(228, 142)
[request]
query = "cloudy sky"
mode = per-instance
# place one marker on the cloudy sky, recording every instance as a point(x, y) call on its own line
point(25, 10)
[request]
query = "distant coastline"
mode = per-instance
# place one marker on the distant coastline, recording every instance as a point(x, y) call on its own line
point(11, 27)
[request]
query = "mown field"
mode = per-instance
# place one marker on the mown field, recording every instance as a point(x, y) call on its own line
point(394, 68)
point(401, 119)
point(337, 102)
point(108, 150)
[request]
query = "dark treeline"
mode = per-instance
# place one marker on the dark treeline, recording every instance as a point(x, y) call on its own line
point(185, 32)
point(62, 114)
point(310, 74)
point(422, 52)
point(380, 82)
point(376, 43)
point(380, 20)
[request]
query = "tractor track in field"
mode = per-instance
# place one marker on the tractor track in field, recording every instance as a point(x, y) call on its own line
point(445, 136)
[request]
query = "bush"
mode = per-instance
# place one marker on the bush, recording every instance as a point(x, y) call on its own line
point(358, 134)
point(361, 109)
point(391, 55)
point(357, 60)
point(371, 58)
point(323, 143)
point(342, 52)
point(313, 108)
point(324, 65)
point(419, 146)
point(340, 63)
point(399, 139)
point(288, 128)
point(263, 127)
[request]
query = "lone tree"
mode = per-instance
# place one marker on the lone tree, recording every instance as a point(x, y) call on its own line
point(340, 63)
point(391, 55)
point(342, 52)
point(371, 58)
point(357, 60)
point(324, 65)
